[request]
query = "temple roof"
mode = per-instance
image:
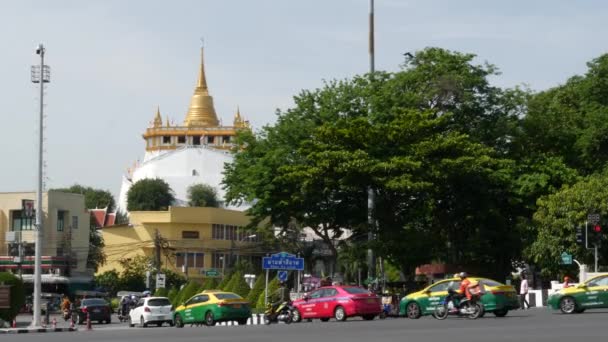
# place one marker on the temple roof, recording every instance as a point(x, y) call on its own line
point(201, 112)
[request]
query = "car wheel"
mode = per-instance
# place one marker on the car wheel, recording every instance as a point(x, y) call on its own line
point(567, 305)
point(324, 319)
point(159, 324)
point(109, 320)
point(369, 317)
point(178, 321)
point(295, 316)
point(209, 320)
point(131, 324)
point(340, 314)
point(100, 321)
point(242, 321)
point(501, 313)
point(142, 322)
point(413, 310)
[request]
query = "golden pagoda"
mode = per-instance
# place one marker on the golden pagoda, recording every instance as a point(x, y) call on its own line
point(201, 126)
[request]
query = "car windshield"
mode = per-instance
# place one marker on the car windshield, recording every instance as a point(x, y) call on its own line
point(94, 301)
point(227, 296)
point(159, 302)
point(355, 290)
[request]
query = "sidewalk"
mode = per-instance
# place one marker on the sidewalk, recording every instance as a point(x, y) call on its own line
point(23, 322)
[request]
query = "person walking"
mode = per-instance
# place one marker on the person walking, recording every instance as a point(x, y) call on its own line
point(523, 291)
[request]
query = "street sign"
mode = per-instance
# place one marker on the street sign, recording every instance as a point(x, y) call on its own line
point(282, 275)
point(211, 273)
point(566, 258)
point(160, 280)
point(593, 218)
point(283, 261)
point(27, 208)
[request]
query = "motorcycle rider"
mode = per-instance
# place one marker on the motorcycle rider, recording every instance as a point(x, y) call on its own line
point(280, 296)
point(66, 307)
point(466, 286)
point(125, 302)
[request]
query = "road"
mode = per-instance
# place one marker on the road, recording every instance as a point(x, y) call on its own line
point(530, 325)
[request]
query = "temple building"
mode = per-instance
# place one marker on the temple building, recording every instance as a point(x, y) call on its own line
point(190, 153)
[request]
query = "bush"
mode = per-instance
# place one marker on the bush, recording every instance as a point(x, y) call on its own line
point(161, 292)
point(188, 291)
point(257, 289)
point(240, 286)
point(233, 279)
point(114, 303)
point(172, 294)
point(17, 296)
point(210, 284)
point(224, 282)
point(273, 286)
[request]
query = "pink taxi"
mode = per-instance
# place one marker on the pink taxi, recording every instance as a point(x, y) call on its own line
point(339, 302)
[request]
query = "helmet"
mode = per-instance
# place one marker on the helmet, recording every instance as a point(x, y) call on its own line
point(566, 278)
point(456, 275)
point(463, 274)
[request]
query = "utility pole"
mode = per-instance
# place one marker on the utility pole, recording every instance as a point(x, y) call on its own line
point(371, 261)
point(40, 75)
point(157, 247)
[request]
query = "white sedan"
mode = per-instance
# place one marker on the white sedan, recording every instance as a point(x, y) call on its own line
point(151, 310)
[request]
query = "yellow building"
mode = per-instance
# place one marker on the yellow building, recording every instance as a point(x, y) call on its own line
point(65, 242)
point(192, 239)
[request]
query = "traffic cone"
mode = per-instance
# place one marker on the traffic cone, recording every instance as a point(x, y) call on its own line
point(71, 323)
point(89, 327)
point(14, 323)
point(54, 323)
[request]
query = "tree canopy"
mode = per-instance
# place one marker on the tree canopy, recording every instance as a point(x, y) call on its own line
point(150, 194)
point(202, 195)
point(93, 198)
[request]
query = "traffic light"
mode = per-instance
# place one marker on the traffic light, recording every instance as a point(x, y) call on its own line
point(595, 235)
point(580, 235)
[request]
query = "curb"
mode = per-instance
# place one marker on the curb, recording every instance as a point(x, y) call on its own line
point(35, 330)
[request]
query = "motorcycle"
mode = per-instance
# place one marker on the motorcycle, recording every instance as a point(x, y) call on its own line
point(67, 314)
point(282, 313)
point(452, 305)
point(123, 313)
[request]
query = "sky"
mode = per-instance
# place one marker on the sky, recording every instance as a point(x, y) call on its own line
point(113, 62)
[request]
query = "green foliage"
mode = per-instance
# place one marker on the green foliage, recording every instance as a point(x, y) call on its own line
point(173, 279)
point(114, 303)
point(239, 285)
point(225, 280)
point(93, 198)
point(210, 284)
point(234, 277)
point(161, 292)
point(17, 298)
point(172, 295)
point(190, 289)
point(273, 286)
point(558, 216)
point(202, 195)
point(110, 281)
point(149, 194)
point(97, 255)
point(257, 290)
point(133, 276)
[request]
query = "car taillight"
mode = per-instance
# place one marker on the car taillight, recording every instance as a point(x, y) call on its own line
point(221, 304)
point(84, 309)
point(147, 309)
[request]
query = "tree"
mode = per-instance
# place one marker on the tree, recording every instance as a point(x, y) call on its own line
point(149, 194)
point(225, 281)
point(93, 198)
point(110, 281)
point(258, 288)
point(210, 284)
point(133, 276)
point(273, 286)
point(191, 288)
point(97, 254)
point(172, 294)
point(161, 292)
point(202, 195)
point(240, 286)
point(17, 298)
point(558, 216)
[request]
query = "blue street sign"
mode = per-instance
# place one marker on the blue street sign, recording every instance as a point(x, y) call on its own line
point(282, 275)
point(283, 261)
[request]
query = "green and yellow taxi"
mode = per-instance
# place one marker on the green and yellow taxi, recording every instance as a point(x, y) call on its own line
point(591, 294)
point(498, 298)
point(210, 307)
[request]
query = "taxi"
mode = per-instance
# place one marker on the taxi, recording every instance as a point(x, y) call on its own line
point(210, 307)
point(339, 302)
point(498, 298)
point(592, 294)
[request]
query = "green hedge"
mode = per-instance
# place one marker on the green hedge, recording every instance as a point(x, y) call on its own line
point(161, 292)
point(17, 296)
point(273, 286)
point(258, 288)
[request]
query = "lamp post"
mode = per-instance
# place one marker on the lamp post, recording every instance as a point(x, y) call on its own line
point(39, 74)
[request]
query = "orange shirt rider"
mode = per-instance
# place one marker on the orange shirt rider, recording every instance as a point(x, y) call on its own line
point(464, 288)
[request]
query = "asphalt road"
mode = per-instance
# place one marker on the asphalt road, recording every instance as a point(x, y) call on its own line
point(530, 325)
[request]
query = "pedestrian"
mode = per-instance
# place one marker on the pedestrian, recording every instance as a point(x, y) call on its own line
point(566, 282)
point(523, 291)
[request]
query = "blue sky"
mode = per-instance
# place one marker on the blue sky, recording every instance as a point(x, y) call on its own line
point(114, 61)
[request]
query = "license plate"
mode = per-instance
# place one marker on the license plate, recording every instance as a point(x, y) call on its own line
point(371, 300)
point(237, 306)
point(96, 310)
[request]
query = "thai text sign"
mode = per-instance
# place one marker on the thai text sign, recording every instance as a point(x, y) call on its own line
point(283, 261)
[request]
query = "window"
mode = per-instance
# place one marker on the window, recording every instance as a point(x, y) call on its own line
point(59, 251)
point(74, 222)
point(166, 139)
point(159, 302)
point(316, 294)
point(210, 139)
point(218, 260)
point(181, 139)
point(226, 139)
point(190, 259)
point(20, 222)
point(61, 220)
point(598, 282)
point(196, 140)
point(329, 292)
point(227, 296)
point(188, 234)
point(355, 290)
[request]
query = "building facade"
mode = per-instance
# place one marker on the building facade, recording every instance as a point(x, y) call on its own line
point(65, 239)
point(192, 240)
point(188, 153)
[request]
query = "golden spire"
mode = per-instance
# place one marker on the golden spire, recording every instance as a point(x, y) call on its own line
point(167, 121)
point(158, 121)
point(238, 120)
point(201, 111)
